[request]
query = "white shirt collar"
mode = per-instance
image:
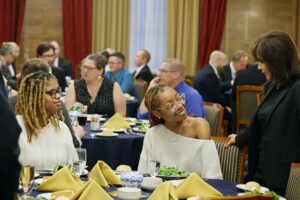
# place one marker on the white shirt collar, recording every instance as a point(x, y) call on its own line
point(233, 71)
point(215, 70)
point(138, 70)
point(55, 63)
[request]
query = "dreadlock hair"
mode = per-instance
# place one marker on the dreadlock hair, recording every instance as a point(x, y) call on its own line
point(152, 103)
point(31, 103)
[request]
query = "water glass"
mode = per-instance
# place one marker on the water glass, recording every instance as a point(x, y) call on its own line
point(80, 164)
point(154, 167)
point(82, 119)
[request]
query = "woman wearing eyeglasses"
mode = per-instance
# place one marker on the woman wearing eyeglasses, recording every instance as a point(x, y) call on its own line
point(98, 93)
point(176, 139)
point(45, 141)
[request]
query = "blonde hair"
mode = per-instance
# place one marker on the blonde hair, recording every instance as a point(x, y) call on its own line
point(31, 104)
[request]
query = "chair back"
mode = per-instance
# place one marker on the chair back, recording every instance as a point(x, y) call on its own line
point(232, 160)
point(293, 186)
point(245, 197)
point(214, 115)
point(141, 87)
point(246, 103)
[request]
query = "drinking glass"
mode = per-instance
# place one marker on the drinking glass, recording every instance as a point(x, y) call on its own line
point(154, 167)
point(26, 178)
point(82, 118)
point(80, 164)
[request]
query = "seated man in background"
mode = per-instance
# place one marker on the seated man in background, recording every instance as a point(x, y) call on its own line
point(172, 73)
point(46, 52)
point(60, 62)
point(143, 72)
point(118, 73)
point(207, 80)
point(227, 73)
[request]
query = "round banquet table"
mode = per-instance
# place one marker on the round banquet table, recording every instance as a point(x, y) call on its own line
point(123, 149)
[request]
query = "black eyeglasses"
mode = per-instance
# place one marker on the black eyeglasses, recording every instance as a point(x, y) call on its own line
point(52, 93)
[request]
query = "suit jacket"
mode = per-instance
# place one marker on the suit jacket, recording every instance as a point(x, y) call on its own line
point(281, 132)
point(208, 85)
point(60, 76)
point(66, 66)
point(225, 77)
point(2, 85)
point(9, 151)
point(145, 74)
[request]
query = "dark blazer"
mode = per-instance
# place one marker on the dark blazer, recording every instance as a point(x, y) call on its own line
point(207, 84)
point(281, 145)
point(60, 76)
point(145, 74)
point(9, 151)
point(66, 66)
point(250, 76)
point(13, 101)
point(225, 77)
point(2, 85)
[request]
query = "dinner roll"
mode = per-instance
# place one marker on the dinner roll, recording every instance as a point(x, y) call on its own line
point(107, 132)
point(252, 186)
point(123, 168)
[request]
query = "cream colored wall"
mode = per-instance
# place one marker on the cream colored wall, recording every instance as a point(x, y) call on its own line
point(247, 19)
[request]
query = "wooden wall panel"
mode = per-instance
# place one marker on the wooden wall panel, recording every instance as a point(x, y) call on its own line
point(248, 19)
point(42, 22)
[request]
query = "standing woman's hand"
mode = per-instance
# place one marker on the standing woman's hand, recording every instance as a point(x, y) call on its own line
point(231, 141)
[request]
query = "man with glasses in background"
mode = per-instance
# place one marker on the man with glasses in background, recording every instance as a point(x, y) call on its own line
point(172, 74)
point(118, 73)
point(46, 52)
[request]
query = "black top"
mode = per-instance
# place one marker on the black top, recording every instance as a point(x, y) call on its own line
point(103, 104)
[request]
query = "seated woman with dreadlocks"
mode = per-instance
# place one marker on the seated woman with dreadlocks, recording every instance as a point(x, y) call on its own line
point(175, 139)
point(45, 141)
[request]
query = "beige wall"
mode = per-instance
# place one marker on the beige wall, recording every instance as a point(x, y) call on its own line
point(247, 19)
point(42, 22)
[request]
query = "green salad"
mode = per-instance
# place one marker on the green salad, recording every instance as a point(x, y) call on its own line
point(143, 128)
point(171, 171)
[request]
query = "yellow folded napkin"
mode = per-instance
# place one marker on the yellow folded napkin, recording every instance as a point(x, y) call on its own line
point(164, 191)
point(63, 179)
point(116, 121)
point(104, 175)
point(62, 193)
point(193, 185)
point(90, 190)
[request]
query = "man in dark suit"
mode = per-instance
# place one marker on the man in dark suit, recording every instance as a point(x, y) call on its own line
point(142, 57)
point(227, 73)
point(250, 76)
point(207, 82)
point(46, 51)
point(9, 152)
point(60, 62)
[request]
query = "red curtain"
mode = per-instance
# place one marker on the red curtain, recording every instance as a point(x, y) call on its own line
point(213, 14)
point(12, 16)
point(77, 27)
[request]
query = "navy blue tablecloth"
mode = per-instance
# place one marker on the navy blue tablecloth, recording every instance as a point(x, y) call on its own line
point(123, 149)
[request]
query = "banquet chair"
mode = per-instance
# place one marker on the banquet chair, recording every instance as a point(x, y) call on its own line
point(232, 160)
point(141, 87)
point(189, 82)
point(246, 104)
point(214, 115)
point(293, 186)
point(246, 197)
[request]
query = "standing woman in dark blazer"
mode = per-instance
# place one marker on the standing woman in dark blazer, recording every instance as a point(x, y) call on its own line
point(273, 135)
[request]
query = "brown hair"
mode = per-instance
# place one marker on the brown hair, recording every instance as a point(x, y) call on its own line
point(31, 103)
point(280, 55)
point(99, 60)
point(152, 103)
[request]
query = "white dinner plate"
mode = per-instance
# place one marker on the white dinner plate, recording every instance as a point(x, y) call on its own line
point(104, 135)
point(36, 174)
point(136, 129)
point(116, 130)
point(85, 172)
point(45, 196)
point(38, 181)
point(243, 187)
point(130, 119)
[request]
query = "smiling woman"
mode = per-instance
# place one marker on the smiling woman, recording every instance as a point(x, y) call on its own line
point(45, 141)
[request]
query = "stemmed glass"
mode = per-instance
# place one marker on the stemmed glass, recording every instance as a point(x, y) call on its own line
point(80, 164)
point(26, 178)
point(154, 167)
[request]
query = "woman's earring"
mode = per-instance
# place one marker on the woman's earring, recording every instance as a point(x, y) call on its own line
point(100, 78)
